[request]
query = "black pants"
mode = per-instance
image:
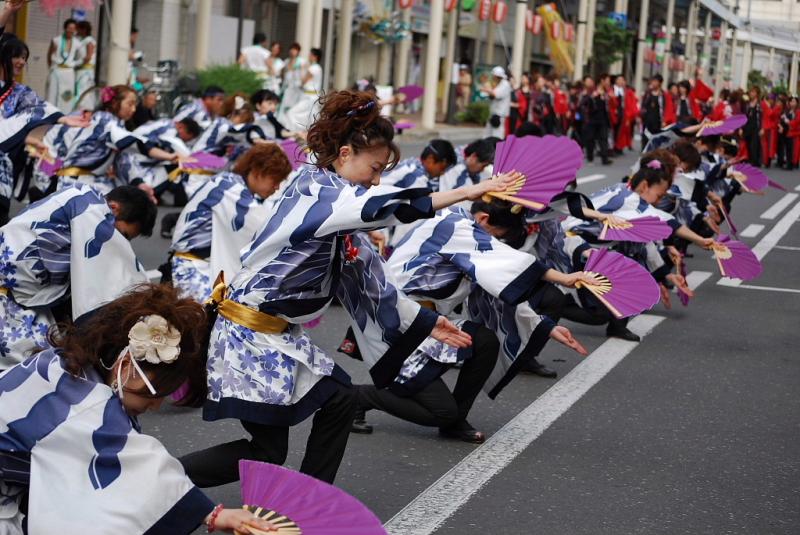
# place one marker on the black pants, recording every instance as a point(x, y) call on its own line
point(595, 133)
point(754, 148)
point(557, 305)
point(435, 405)
point(219, 464)
point(785, 150)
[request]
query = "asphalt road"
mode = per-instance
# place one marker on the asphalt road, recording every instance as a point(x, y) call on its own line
point(694, 430)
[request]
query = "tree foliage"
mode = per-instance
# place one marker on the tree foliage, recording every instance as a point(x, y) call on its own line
point(611, 42)
point(231, 78)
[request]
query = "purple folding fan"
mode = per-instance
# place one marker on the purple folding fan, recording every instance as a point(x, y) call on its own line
point(723, 127)
point(625, 287)
point(547, 164)
point(777, 185)
point(411, 92)
point(751, 178)
point(641, 230)
point(204, 160)
point(50, 166)
point(727, 217)
point(682, 296)
point(735, 259)
point(297, 503)
point(295, 153)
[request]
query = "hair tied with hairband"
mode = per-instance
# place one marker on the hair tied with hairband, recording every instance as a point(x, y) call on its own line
point(153, 340)
point(654, 164)
point(107, 94)
point(361, 110)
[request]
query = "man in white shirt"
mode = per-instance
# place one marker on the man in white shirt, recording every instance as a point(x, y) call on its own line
point(254, 57)
point(499, 92)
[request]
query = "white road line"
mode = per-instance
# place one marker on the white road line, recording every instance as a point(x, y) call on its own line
point(751, 231)
point(153, 274)
point(797, 188)
point(764, 288)
point(590, 178)
point(775, 210)
point(769, 240)
point(438, 502)
point(787, 248)
point(696, 278)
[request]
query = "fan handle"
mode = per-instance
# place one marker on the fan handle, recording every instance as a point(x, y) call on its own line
point(609, 306)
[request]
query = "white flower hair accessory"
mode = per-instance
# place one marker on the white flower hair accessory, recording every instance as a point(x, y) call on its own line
point(151, 339)
point(154, 340)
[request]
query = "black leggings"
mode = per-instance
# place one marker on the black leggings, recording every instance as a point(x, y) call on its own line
point(435, 405)
point(219, 464)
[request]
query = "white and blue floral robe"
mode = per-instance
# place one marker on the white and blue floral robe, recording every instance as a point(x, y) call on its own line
point(408, 173)
point(60, 248)
point(69, 447)
point(93, 149)
point(20, 113)
point(216, 224)
point(294, 269)
point(450, 261)
point(196, 111)
point(131, 166)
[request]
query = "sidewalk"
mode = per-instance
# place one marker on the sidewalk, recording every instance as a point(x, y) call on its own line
point(455, 133)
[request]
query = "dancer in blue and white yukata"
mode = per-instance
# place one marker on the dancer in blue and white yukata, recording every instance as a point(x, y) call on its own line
point(457, 259)
point(73, 458)
point(87, 154)
point(469, 169)
point(204, 109)
point(63, 257)
point(263, 368)
point(223, 217)
point(21, 111)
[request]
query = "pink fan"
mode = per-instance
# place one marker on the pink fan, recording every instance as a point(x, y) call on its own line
point(296, 155)
point(548, 164)
point(726, 216)
point(625, 287)
point(726, 126)
point(751, 178)
point(404, 125)
point(735, 259)
point(181, 392)
point(411, 92)
point(776, 185)
point(640, 230)
point(297, 503)
point(50, 167)
point(205, 160)
point(683, 296)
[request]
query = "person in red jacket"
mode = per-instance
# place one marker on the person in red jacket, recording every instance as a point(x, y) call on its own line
point(771, 112)
point(624, 111)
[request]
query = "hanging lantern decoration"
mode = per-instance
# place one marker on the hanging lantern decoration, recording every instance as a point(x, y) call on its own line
point(500, 12)
point(569, 32)
point(450, 5)
point(716, 34)
point(405, 4)
point(536, 27)
point(484, 9)
point(468, 5)
point(555, 29)
point(529, 20)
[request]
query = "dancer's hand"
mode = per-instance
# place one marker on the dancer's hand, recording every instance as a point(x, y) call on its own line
point(378, 239)
point(570, 279)
point(445, 331)
point(666, 298)
point(563, 336)
point(151, 193)
point(497, 183)
point(680, 283)
point(74, 121)
point(613, 220)
point(242, 521)
point(705, 243)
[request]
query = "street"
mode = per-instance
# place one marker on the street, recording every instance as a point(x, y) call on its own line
point(694, 430)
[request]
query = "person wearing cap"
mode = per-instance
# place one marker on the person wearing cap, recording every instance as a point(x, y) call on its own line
point(499, 93)
point(464, 88)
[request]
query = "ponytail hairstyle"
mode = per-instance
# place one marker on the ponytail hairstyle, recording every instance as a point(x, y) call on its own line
point(350, 118)
point(111, 97)
point(688, 154)
point(669, 163)
point(653, 174)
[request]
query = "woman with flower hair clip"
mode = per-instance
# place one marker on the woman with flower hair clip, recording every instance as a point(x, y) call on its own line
point(73, 458)
point(263, 368)
point(87, 154)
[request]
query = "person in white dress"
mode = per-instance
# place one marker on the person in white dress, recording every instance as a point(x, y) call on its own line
point(254, 57)
point(61, 61)
point(499, 94)
point(85, 58)
point(300, 116)
point(294, 71)
point(274, 68)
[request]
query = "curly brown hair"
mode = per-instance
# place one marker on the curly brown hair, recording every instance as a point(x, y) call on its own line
point(264, 159)
point(98, 340)
point(669, 162)
point(350, 118)
point(120, 92)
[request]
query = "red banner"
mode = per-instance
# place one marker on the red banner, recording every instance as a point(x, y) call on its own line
point(405, 4)
point(569, 32)
point(537, 25)
point(450, 5)
point(555, 29)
